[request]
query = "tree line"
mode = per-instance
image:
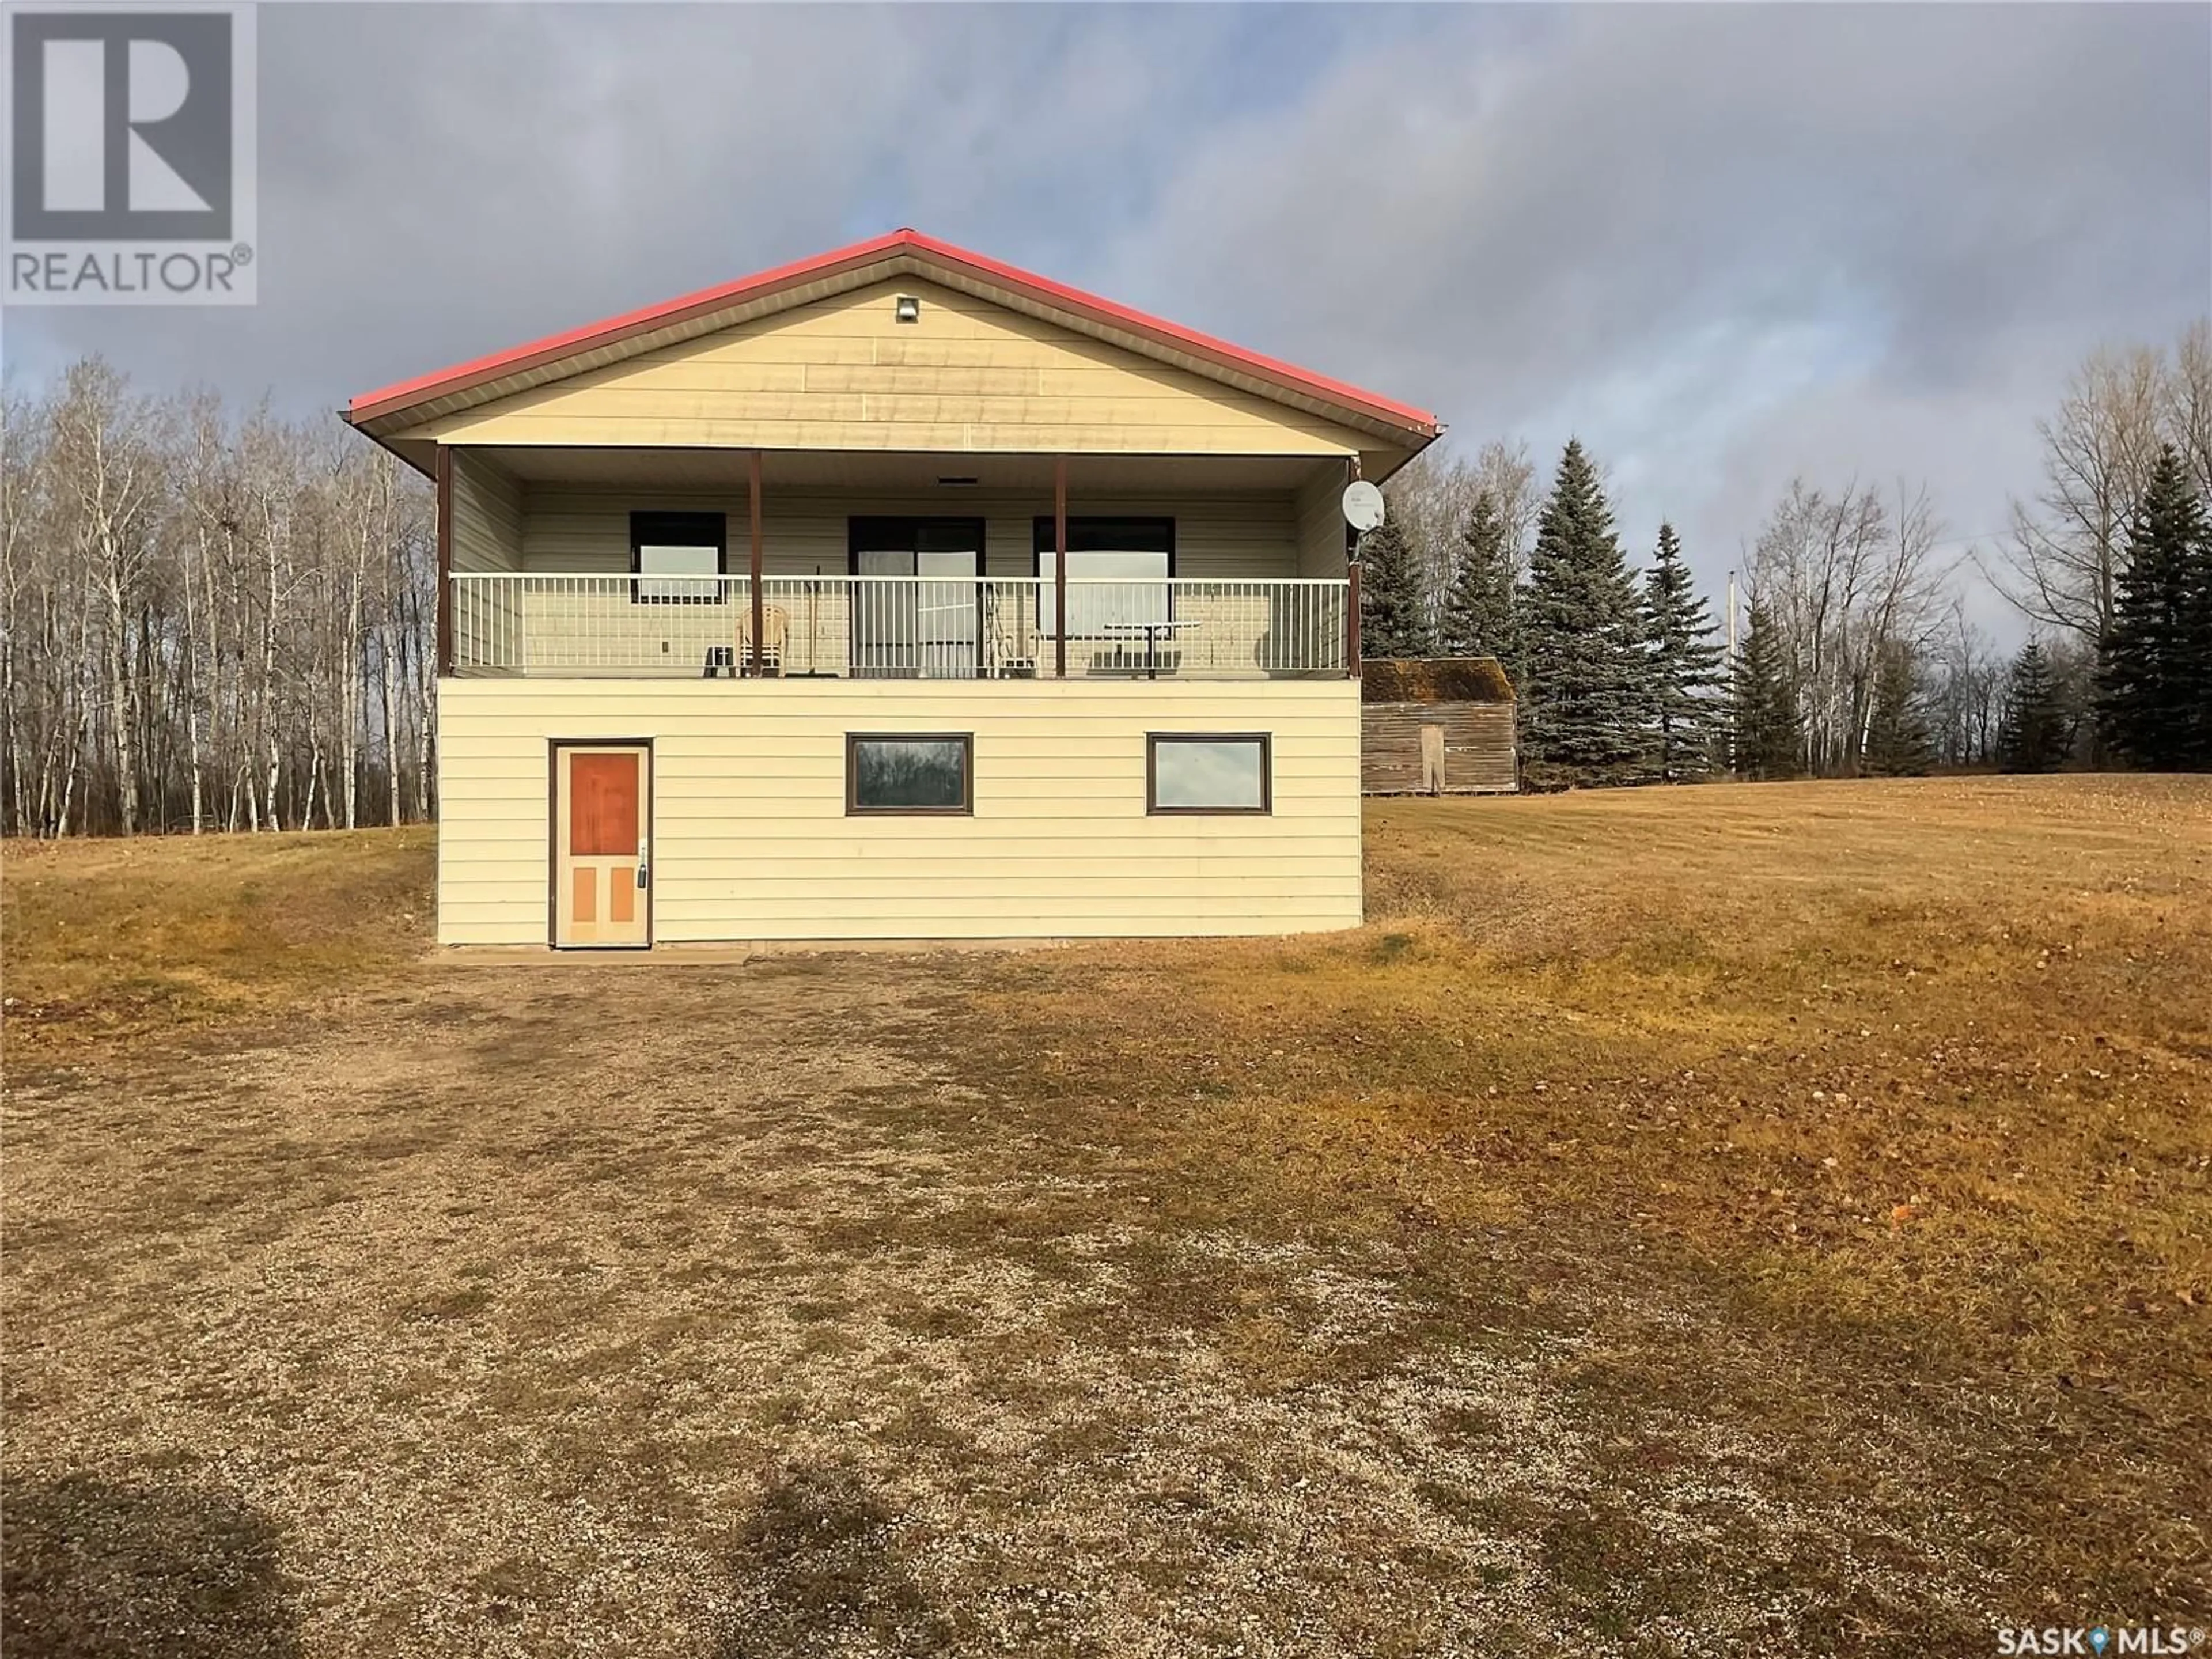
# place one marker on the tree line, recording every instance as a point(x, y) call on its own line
point(1856, 654)
point(209, 618)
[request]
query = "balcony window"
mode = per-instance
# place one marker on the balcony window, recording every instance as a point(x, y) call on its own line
point(1133, 557)
point(670, 553)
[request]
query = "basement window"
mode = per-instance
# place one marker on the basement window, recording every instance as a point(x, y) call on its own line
point(1209, 772)
point(923, 772)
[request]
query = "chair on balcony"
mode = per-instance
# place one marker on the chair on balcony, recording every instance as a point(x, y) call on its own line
point(776, 629)
point(1010, 641)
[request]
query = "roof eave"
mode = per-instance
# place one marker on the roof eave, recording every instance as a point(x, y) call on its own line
point(903, 250)
point(464, 377)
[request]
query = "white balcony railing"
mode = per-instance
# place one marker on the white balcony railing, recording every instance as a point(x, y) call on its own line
point(895, 626)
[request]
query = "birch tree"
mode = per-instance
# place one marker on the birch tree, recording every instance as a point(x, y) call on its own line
point(208, 620)
point(1843, 579)
point(2069, 544)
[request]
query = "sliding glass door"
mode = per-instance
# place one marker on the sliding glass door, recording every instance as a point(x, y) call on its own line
point(929, 625)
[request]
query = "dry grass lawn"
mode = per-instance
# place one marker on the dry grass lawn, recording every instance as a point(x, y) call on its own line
point(116, 941)
point(1749, 1220)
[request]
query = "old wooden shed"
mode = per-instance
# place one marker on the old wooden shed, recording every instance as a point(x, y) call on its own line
point(1436, 726)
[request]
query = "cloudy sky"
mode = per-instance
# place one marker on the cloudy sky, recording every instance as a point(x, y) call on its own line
point(1725, 245)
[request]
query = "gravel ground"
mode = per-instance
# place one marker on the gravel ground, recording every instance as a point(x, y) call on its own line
point(728, 1310)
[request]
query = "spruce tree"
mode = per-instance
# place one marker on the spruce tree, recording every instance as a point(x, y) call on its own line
point(1478, 617)
point(1393, 622)
point(1898, 743)
point(2196, 655)
point(1685, 664)
point(2033, 731)
point(1587, 693)
point(1768, 735)
point(2154, 679)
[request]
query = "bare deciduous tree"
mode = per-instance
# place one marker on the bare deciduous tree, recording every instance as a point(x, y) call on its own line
point(1432, 497)
point(208, 622)
point(1846, 579)
point(2186, 415)
point(1966, 671)
point(2062, 564)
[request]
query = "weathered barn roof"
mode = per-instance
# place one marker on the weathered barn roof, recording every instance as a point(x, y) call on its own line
point(1434, 679)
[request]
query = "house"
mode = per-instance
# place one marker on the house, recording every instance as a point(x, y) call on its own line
point(1437, 725)
point(896, 593)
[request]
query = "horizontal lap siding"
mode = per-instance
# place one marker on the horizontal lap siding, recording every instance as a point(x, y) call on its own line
point(487, 516)
point(840, 373)
point(487, 534)
point(752, 840)
point(1220, 536)
point(1319, 527)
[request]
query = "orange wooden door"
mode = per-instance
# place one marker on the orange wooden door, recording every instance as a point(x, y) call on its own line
point(602, 865)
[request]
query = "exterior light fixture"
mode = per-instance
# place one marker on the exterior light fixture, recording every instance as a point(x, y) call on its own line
point(907, 308)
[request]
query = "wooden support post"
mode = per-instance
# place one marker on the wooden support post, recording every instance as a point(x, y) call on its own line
point(753, 566)
point(444, 472)
point(1060, 567)
point(1352, 622)
point(1352, 573)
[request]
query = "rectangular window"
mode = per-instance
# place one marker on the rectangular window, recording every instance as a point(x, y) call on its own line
point(1131, 559)
point(1209, 772)
point(928, 624)
point(666, 548)
point(917, 772)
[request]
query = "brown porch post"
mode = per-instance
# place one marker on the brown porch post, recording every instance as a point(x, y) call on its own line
point(1352, 573)
point(1060, 566)
point(1351, 622)
point(760, 606)
point(444, 476)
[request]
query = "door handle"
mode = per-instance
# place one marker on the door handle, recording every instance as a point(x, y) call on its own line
point(644, 863)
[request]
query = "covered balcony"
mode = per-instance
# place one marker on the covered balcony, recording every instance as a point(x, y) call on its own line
point(735, 564)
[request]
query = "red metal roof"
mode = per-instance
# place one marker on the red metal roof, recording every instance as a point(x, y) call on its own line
point(461, 377)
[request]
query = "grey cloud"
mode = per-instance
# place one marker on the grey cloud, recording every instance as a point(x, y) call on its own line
point(1725, 244)
point(438, 182)
point(1934, 211)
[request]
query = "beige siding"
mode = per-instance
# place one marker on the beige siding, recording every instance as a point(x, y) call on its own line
point(487, 534)
point(487, 516)
point(1319, 526)
point(840, 373)
point(1218, 536)
point(752, 840)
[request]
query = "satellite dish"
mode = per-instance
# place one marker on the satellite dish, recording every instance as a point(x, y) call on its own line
point(1363, 506)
